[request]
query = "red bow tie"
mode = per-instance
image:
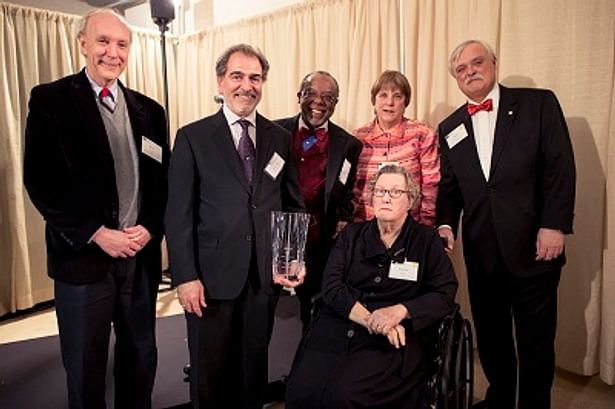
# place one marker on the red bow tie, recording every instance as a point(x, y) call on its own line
point(486, 105)
point(105, 92)
point(320, 133)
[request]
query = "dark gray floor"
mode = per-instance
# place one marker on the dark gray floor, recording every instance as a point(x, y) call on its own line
point(31, 373)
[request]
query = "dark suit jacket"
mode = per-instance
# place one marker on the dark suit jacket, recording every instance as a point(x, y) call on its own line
point(213, 216)
point(338, 196)
point(70, 176)
point(531, 183)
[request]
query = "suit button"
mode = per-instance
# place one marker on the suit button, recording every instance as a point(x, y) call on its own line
point(248, 237)
point(253, 207)
point(350, 333)
point(377, 280)
point(114, 214)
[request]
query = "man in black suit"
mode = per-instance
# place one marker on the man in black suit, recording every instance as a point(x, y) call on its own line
point(228, 172)
point(95, 167)
point(507, 162)
point(327, 159)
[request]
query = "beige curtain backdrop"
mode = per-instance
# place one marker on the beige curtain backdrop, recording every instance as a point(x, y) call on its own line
point(565, 45)
point(36, 46)
point(353, 39)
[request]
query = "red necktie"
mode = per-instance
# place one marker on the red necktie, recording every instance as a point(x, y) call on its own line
point(486, 105)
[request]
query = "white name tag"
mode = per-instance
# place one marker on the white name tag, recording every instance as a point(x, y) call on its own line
point(345, 172)
point(456, 135)
point(407, 270)
point(275, 165)
point(383, 164)
point(151, 149)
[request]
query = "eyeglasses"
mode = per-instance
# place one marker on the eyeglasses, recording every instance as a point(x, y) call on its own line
point(328, 99)
point(393, 193)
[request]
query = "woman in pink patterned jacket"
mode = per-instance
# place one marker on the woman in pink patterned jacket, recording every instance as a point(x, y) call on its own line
point(392, 138)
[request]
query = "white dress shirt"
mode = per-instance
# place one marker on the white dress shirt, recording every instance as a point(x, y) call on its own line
point(483, 123)
point(236, 129)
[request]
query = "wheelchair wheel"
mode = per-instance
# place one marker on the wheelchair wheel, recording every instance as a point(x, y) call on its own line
point(446, 382)
point(463, 387)
point(451, 385)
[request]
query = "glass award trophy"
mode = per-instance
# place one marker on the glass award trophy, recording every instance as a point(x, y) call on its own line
point(288, 238)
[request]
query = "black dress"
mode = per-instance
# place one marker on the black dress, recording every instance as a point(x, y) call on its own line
point(339, 364)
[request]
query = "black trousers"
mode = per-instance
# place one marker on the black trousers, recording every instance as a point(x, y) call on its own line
point(229, 350)
point(316, 255)
point(500, 302)
point(126, 298)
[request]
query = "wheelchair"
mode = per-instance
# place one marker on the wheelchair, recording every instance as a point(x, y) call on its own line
point(451, 385)
point(451, 381)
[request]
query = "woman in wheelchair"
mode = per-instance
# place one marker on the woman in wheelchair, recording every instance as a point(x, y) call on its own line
point(386, 282)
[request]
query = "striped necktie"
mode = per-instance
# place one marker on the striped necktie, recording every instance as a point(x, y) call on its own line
point(106, 99)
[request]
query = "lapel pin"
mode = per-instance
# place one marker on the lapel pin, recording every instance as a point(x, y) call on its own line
point(510, 112)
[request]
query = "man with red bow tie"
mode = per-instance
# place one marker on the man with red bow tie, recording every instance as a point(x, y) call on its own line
point(507, 163)
point(326, 157)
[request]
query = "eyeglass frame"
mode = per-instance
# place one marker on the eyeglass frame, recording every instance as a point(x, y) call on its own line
point(393, 193)
point(328, 99)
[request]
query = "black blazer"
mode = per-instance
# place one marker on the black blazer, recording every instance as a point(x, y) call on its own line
point(359, 256)
point(70, 177)
point(213, 217)
point(531, 183)
point(338, 197)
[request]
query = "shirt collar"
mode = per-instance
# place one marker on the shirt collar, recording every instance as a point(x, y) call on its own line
point(302, 124)
point(232, 117)
point(374, 246)
point(398, 131)
point(113, 87)
point(494, 94)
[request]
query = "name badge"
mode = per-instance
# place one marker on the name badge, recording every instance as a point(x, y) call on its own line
point(345, 172)
point(383, 164)
point(456, 135)
point(408, 270)
point(275, 165)
point(151, 149)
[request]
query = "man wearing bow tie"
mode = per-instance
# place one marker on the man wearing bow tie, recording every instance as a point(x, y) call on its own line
point(507, 163)
point(327, 159)
point(95, 167)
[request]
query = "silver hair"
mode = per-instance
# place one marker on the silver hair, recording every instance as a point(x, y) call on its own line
point(414, 191)
point(459, 49)
point(244, 49)
point(83, 21)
